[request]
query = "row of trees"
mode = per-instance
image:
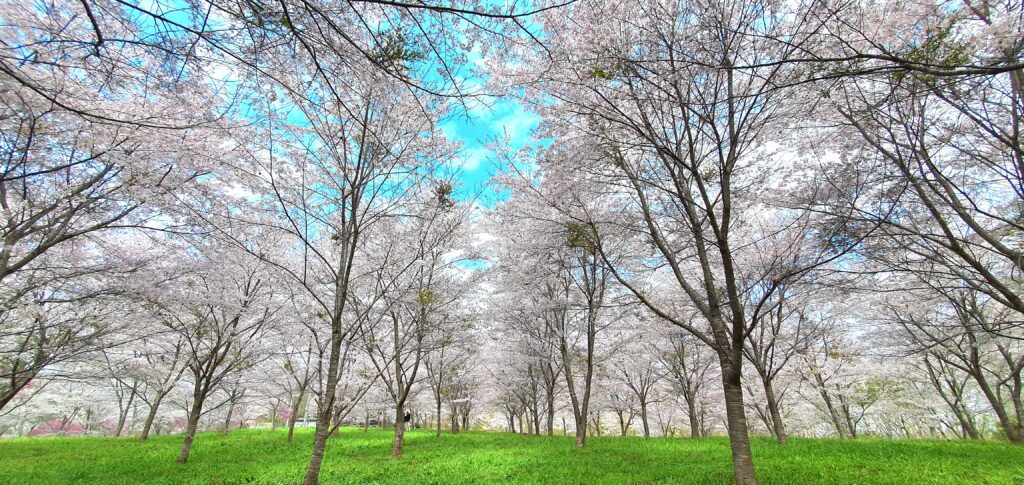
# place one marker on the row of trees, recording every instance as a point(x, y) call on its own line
point(728, 163)
point(796, 213)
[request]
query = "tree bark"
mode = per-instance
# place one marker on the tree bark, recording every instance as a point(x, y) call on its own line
point(778, 427)
point(736, 420)
point(193, 424)
point(643, 418)
point(227, 419)
point(1013, 431)
point(124, 414)
point(324, 412)
point(691, 409)
point(295, 414)
point(151, 417)
point(551, 414)
point(581, 431)
point(399, 442)
point(438, 416)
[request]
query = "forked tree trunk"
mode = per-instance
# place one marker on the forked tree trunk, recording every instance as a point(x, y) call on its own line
point(1014, 431)
point(581, 431)
point(124, 414)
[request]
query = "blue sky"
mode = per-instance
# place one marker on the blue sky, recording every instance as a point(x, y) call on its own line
point(504, 118)
point(476, 125)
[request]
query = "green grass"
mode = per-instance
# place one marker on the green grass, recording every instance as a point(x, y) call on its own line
point(263, 456)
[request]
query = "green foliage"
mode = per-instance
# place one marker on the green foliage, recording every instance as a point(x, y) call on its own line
point(599, 73)
point(938, 49)
point(426, 297)
point(395, 50)
point(581, 236)
point(443, 193)
point(264, 457)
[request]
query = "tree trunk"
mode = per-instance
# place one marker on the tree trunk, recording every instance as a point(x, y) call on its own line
point(967, 425)
point(190, 430)
point(1014, 431)
point(643, 418)
point(295, 414)
point(778, 427)
point(151, 417)
point(439, 417)
point(17, 384)
point(833, 413)
point(844, 407)
point(581, 431)
point(124, 414)
point(736, 421)
point(551, 416)
point(324, 412)
point(227, 419)
point(319, 445)
point(691, 409)
point(399, 441)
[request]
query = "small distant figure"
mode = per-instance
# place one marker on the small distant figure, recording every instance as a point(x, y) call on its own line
point(408, 416)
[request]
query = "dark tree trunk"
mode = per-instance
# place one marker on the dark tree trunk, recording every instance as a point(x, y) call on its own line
point(439, 416)
point(778, 427)
point(227, 419)
point(1014, 431)
point(581, 431)
point(736, 421)
point(151, 417)
point(124, 414)
point(193, 424)
point(295, 414)
point(691, 409)
point(324, 413)
point(399, 441)
point(551, 414)
point(833, 413)
point(643, 418)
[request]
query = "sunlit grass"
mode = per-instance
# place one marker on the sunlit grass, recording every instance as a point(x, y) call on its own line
point(263, 456)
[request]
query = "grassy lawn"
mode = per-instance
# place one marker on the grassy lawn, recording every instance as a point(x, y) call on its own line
point(263, 456)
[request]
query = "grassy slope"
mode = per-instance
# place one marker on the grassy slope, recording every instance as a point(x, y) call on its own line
point(262, 456)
